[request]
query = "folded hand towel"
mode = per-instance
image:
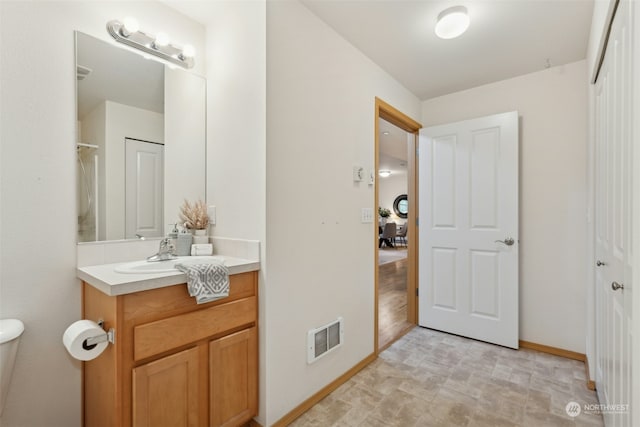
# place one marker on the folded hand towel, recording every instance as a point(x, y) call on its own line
point(206, 281)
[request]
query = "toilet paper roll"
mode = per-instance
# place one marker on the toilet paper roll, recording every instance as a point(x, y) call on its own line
point(75, 337)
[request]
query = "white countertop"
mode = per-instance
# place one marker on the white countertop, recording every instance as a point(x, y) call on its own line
point(104, 277)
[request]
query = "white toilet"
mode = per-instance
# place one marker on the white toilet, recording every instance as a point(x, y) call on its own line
point(10, 331)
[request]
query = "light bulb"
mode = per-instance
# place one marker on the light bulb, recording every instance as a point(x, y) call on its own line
point(452, 22)
point(162, 39)
point(129, 26)
point(188, 51)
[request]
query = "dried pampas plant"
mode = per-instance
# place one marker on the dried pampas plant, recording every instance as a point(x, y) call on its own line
point(194, 216)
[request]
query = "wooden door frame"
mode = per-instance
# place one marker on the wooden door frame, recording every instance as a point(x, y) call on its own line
point(394, 116)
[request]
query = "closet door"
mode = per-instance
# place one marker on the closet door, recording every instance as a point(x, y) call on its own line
point(613, 192)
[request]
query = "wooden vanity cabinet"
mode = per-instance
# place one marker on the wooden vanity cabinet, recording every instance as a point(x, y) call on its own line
point(174, 362)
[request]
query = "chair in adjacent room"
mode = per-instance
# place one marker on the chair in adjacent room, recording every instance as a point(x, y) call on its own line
point(401, 235)
point(388, 236)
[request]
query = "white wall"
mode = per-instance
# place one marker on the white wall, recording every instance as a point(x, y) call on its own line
point(185, 147)
point(553, 144)
point(37, 178)
point(320, 122)
point(236, 113)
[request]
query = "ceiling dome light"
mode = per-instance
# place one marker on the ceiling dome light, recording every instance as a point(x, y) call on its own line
point(452, 22)
point(384, 173)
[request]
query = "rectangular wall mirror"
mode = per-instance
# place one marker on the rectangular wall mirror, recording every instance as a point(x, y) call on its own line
point(141, 144)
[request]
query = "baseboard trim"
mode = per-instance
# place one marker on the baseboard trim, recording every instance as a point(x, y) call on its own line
point(553, 350)
point(591, 385)
point(253, 423)
point(324, 392)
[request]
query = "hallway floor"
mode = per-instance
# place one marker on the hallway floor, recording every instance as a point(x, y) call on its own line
point(392, 301)
point(429, 378)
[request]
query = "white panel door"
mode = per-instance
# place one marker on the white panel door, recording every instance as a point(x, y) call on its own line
point(144, 188)
point(613, 202)
point(468, 262)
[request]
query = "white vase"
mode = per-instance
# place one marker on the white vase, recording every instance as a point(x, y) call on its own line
point(200, 236)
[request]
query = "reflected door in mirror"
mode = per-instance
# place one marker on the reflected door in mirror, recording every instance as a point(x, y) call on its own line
point(144, 189)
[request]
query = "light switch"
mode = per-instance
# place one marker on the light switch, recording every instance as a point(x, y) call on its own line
point(211, 212)
point(367, 215)
point(371, 177)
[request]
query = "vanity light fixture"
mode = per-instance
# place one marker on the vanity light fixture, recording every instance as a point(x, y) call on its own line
point(127, 32)
point(384, 173)
point(452, 22)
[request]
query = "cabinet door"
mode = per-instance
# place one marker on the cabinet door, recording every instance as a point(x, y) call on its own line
point(165, 392)
point(233, 376)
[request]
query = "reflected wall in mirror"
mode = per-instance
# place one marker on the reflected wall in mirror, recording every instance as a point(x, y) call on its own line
point(141, 142)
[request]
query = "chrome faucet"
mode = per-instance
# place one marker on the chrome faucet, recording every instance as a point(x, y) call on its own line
point(166, 251)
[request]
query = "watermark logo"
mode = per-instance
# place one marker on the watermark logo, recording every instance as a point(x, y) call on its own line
point(573, 409)
point(611, 408)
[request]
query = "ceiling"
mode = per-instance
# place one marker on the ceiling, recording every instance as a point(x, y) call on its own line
point(393, 148)
point(506, 38)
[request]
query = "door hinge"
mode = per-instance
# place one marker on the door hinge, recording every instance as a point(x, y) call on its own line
point(417, 292)
point(417, 150)
point(417, 222)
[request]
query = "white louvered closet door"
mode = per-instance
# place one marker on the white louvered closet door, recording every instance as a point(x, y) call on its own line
point(613, 204)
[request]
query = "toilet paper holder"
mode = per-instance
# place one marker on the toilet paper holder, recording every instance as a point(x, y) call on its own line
point(109, 336)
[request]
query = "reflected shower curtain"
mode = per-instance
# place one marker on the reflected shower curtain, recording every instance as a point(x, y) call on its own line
point(87, 193)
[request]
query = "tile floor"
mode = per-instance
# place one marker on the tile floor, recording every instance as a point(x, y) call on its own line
point(429, 378)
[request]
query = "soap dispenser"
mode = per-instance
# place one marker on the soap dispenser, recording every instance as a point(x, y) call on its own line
point(184, 243)
point(173, 235)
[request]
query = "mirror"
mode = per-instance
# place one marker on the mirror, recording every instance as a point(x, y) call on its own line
point(141, 144)
point(401, 206)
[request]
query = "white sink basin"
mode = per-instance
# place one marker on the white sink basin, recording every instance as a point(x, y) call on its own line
point(146, 267)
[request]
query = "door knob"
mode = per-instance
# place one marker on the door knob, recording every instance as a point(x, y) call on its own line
point(508, 241)
point(615, 286)
point(600, 263)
